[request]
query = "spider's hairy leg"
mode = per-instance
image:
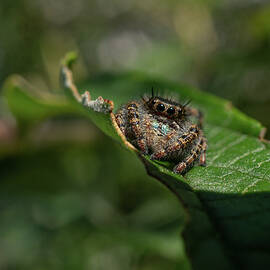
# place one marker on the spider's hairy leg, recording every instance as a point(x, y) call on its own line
point(180, 143)
point(195, 152)
point(134, 121)
point(117, 121)
point(120, 120)
point(197, 114)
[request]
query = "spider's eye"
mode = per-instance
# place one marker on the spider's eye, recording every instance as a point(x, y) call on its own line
point(171, 111)
point(180, 111)
point(153, 102)
point(160, 107)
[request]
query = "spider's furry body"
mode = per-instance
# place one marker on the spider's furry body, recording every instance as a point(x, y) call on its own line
point(162, 128)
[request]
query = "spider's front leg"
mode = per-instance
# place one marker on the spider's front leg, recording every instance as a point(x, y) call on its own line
point(174, 146)
point(198, 149)
point(121, 120)
point(134, 121)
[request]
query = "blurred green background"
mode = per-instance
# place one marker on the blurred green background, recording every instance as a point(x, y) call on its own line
point(70, 198)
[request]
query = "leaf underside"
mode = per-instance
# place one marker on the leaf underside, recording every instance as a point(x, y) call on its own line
point(226, 203)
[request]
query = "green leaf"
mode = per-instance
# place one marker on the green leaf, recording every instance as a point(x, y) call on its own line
point(226, 203)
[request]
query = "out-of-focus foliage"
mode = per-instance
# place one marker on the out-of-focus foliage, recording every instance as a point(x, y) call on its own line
point(219, 46)
point(77, 205)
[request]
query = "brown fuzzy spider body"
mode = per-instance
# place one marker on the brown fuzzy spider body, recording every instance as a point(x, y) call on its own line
point(161, 128)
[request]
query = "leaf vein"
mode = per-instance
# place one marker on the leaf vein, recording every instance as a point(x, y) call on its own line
point(257, 150)
point(234, 143)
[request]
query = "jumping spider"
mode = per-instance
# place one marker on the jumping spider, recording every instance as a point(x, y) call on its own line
point(162, 129)
point(155, 126)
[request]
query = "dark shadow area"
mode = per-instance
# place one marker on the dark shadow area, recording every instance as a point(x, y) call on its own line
point(219, 47)
point(242, 223)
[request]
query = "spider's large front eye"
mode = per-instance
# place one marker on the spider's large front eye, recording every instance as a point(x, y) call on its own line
point(160, 107)
point(171, 111)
